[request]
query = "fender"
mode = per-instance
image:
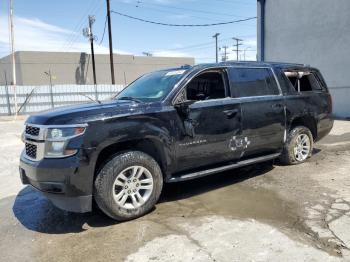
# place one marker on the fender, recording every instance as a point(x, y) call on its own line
point(128, 130)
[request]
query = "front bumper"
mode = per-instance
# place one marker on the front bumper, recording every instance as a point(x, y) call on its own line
point(60, 180)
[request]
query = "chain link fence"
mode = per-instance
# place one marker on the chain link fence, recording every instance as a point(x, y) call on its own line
point(31, 99)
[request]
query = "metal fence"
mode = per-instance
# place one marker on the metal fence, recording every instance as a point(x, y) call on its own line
point(32, 99)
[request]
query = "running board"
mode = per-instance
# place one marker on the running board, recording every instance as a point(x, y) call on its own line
point(223, 168)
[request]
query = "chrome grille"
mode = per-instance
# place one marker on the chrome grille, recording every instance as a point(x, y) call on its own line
point(31, 150)
point(32, 130)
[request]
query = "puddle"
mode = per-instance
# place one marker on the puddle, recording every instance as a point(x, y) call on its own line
point(228, 194)
point(43, 231)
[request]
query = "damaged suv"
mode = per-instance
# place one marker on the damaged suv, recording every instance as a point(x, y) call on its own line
point(174, 125)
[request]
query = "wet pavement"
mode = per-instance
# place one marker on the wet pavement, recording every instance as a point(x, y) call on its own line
point(264, 212)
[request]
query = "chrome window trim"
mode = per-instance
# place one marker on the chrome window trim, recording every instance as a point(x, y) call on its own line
point(184, 84)
point(227, 67)
point(216, 100)
point(254, 97)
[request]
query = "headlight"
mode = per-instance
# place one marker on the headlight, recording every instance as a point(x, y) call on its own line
point(57, 140)
point(64, 133)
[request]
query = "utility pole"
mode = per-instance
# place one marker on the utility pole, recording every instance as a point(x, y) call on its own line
point(14, 78)
point(216, 47)
point(237, 44)
point(87, 32)
point(48, 73)
point(110, 41)
point(224, 57)
point(245, 50)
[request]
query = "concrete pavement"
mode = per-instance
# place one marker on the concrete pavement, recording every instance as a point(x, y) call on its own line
point(257, 213)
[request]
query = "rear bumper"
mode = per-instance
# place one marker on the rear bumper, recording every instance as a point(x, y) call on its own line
point(324, 128)
point(59, 180)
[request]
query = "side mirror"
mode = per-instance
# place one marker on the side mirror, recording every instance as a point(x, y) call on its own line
point(200, 96)
point(183, 108)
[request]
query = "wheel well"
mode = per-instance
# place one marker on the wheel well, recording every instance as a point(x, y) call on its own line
point(148, 146)
point(307, 121)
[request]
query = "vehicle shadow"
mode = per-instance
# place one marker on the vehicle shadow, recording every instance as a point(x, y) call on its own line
point(186, 189)
point(316, 152)
point(36, 213)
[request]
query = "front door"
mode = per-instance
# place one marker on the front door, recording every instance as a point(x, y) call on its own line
point(215, 120)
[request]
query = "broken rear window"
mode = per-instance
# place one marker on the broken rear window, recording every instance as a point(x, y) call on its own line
point(304, 81)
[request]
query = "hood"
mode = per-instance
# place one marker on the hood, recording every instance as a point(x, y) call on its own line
point(83, 113)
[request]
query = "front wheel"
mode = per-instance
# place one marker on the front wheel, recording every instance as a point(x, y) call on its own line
point(298, 147)
point(128, 186)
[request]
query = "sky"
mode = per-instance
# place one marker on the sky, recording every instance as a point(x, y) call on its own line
point(57, 25)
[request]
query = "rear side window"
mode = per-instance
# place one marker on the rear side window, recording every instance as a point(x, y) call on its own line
point(246, 82)
point(304, 81)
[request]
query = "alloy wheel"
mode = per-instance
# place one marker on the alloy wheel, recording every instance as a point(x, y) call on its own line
point(302, 147)
point(132, 187)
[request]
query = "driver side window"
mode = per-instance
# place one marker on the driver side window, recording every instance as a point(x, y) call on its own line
point(205, 86)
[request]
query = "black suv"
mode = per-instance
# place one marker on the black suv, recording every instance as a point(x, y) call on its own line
point(174, 125)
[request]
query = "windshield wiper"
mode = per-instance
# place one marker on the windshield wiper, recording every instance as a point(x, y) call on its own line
point(130, 98)
point(90, 98)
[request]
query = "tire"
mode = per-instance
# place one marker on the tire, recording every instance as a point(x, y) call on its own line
point(115, 185)
point(289, 156)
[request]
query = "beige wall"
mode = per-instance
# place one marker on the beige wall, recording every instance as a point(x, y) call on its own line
point(76, 68)
point(6, 69)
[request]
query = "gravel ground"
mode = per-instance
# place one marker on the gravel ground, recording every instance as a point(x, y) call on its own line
point(259, 213)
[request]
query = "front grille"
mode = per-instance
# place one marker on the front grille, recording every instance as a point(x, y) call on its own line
point(31, 150)
point(32, 130)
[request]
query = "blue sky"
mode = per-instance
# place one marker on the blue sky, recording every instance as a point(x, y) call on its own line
point(56, 25)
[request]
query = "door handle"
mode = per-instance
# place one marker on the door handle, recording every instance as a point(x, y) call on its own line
point(277, 106)
point(231, 113)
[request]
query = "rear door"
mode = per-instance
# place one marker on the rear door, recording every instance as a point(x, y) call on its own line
point(263, 109)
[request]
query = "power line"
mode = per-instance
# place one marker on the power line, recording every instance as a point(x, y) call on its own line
point(168, 11)
point(76, 35)
point(176, 13)
point(191, 46)
point(78, 26)
point(205, 45)
point(237, 2)
point(104, 31)
point(238, 43)
point(182, 25)
point(190, 9)
point(200, 44)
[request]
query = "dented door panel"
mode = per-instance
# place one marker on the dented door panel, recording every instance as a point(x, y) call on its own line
point(215, 124)
point(263, 124)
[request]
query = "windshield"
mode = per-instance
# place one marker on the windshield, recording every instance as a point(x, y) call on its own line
point(152, 87)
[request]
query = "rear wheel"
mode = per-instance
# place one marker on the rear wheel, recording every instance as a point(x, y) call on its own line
point(128, 186)
point(298, 146)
